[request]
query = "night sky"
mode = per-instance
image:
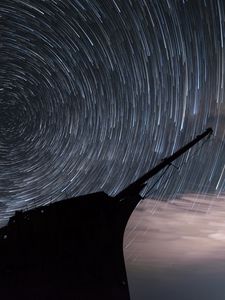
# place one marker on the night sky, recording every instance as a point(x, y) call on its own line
point(95, 93)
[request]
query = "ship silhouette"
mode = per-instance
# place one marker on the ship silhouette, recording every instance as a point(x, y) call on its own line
point(72, 249)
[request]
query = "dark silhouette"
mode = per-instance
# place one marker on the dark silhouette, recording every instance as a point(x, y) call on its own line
point(72, 249)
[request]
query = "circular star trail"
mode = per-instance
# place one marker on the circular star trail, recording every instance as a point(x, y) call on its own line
point(94, 93)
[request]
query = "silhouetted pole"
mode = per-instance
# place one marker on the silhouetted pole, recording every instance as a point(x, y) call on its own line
point(139, 184)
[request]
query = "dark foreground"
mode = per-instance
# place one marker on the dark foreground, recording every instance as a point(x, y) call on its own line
point(72, 249)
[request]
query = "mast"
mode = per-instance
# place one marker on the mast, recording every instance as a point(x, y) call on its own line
point(140, 183)
point(128, 199)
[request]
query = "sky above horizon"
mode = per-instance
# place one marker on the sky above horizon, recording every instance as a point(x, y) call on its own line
point(95, 93)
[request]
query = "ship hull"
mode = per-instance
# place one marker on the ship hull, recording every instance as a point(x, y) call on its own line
point(72, 249)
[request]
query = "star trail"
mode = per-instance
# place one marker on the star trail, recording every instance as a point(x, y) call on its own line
point(94, 93)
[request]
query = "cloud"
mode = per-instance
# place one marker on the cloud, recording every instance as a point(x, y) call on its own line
point(176, 246)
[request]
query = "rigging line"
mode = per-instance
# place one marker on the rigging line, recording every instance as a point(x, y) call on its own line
point(193, 154)
point(157, 181)
point(162, 183)
point(178, 169)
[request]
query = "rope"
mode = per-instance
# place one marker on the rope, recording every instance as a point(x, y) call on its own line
point(177, 168)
